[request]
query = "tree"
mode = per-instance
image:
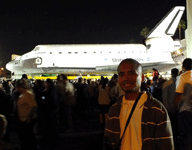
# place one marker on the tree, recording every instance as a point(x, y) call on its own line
point(144, 31)
point(181, 25)
point(132, 41)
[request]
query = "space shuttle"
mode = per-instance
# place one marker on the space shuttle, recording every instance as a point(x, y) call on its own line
point(103, 58)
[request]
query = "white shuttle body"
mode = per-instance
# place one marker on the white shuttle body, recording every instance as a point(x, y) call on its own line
point(99, 58)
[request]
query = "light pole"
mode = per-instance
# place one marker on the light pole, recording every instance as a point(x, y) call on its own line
point(2, 71)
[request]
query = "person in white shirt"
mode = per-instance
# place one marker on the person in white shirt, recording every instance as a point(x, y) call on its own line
point(168, 97)
point(103, 101)
point(183, 101)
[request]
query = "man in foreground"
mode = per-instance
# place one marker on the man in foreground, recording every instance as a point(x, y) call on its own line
point(149, 127)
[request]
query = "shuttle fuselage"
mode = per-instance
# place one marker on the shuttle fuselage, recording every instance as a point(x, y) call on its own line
point(89, 58)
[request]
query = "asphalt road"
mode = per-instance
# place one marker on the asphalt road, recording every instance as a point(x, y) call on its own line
point(87, 134)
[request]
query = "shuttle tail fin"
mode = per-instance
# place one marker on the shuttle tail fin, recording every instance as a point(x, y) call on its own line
point(168, 25)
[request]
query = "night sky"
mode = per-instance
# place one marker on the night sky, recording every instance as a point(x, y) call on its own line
point(25, 24)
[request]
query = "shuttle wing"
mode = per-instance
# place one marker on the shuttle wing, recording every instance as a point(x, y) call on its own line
point(146, 67)
point(168, 25)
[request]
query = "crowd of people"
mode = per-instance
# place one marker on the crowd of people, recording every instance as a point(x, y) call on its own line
point(51, 104)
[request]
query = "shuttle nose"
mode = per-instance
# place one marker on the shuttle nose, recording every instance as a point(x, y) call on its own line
point(9, 65)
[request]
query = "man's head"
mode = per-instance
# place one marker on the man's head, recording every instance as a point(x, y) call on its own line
point(187, 64)
point(80, 80)
point(174, 72)
point(154, 69)
point(22, 85)
point(63, 78)
point(130, 72)
point(48, 83)
point(115, 76)
point(24, 76)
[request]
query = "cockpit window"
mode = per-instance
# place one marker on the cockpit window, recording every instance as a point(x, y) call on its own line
point(36, 49)
point(148, 46)
point(17, 62)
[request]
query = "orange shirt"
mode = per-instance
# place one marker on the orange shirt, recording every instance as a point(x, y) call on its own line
point(25, 106)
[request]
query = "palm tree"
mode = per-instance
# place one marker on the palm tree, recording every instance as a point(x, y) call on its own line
point(181, 25)
point(144, 31)
point(132, 41)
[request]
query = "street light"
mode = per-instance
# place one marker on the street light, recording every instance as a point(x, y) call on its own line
point(2, 71)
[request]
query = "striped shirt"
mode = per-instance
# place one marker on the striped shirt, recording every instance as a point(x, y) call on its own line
point(155, 126)
point(132, 138)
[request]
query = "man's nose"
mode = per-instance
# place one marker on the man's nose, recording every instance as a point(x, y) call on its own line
point(127, 76)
